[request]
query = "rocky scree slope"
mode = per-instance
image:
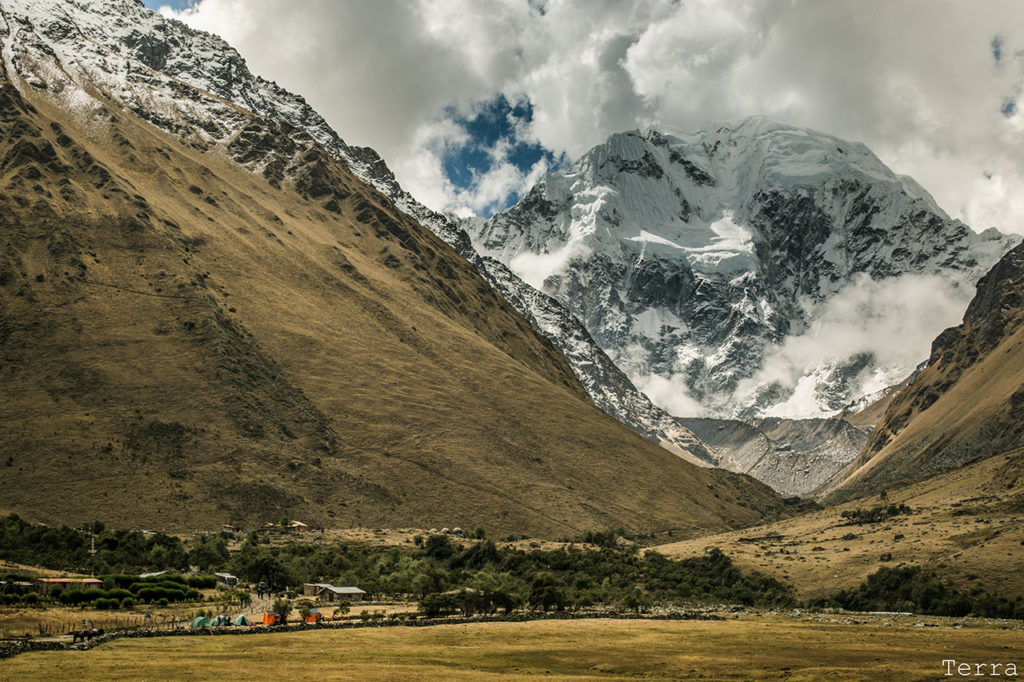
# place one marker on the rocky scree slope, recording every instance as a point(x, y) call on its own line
point(793, 456)
point(186, 341)
point(690, 258)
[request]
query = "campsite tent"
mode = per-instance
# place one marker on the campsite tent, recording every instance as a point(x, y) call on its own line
point(200, 622)
point(314, 616)
point(271, 617)
point(221, 619)
point(241, 620)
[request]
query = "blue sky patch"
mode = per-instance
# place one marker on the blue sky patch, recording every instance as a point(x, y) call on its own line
point(491, 123)
point(173, 4)
point(1009, 107)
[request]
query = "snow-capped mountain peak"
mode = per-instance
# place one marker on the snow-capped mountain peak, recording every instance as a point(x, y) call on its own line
point(693, 259)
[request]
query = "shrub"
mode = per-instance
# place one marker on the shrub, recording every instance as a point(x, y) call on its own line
point(432, 605)
point(127, 603)
point(906, 588)
point(283, 607)
point(875, 514)
point(439, 547)
point(74, 597)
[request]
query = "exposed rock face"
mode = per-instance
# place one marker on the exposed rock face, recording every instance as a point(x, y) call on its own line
point(967, 404)
point(793, 456)
point(688, 259)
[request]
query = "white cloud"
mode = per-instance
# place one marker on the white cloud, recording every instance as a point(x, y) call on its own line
point(670, 394)
point(917, 83)
point(893, 320)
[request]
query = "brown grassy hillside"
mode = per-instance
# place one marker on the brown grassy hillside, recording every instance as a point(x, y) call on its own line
point(967, 404)
point(183, 343)
point(967, 525)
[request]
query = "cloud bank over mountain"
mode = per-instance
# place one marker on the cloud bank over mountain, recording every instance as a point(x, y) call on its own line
point(935, 89)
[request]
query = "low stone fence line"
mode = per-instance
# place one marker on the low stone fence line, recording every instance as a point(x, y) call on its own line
point(12, 648)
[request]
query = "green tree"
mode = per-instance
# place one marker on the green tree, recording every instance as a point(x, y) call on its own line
point(283, 607)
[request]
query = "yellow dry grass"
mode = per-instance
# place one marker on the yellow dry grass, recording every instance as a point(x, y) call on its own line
point(967, 524)
point(974, 417)
point(191, 345)
point(811, 648)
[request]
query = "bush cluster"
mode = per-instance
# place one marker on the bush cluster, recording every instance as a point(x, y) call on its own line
point(68, 548)
point(875, 514)
point(914, 589)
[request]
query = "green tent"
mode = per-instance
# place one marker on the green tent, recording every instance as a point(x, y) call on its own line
point(242, 620)
point(200, 622)
point(221, 620)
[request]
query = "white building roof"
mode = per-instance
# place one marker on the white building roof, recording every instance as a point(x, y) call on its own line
point(340, 590)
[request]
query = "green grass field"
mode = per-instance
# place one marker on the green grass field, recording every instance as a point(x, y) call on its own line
point(749, 647)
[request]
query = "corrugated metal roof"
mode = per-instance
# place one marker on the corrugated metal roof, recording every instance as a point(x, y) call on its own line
point(342, 590)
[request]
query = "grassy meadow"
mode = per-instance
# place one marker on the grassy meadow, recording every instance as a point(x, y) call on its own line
point(747, 647)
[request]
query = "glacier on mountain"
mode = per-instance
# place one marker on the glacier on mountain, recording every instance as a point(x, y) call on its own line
point(699, 262)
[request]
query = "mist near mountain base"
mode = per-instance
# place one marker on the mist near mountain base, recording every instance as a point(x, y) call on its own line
point(891, 320)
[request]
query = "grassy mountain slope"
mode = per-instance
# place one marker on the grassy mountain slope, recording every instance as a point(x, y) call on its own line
point(967, 525)
point(184, 343)
point(967, 404)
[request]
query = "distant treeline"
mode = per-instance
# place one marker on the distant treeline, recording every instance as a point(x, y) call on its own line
point(916, 590)
point(555, 579)
point(448, 575)
point(64, 548)
point(117, 591)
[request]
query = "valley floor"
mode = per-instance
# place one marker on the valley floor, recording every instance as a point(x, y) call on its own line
point(744, 646)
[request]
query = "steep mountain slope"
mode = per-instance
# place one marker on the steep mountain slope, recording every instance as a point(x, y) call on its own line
point(204, 315)
point(967, 404)
point(193, 85)
point(692, 259)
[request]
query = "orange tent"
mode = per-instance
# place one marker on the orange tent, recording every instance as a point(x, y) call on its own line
point(271, 618)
